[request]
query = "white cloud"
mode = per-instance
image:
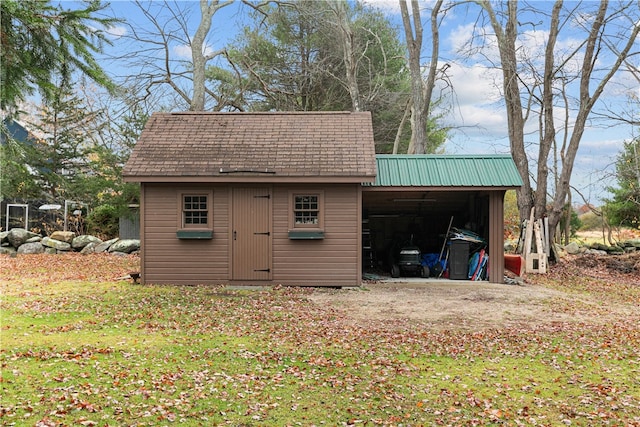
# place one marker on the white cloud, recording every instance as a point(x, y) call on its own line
point(184, 51)
point(460, 42)
point(477, 101)
point(389, 6)
point(532, 45)
point(484, 118)
point(475, 84)
point(116, 31)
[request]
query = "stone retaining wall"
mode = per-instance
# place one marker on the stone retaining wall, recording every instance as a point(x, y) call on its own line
point(21, 241)
point(575, 248)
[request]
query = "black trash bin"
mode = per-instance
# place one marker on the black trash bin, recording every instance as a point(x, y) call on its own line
point(459, 260)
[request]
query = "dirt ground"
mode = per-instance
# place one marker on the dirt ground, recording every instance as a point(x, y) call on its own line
point(470, 305)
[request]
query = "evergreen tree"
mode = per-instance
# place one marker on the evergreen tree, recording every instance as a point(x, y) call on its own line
point(60, 158)
point(16, 180)
point(623, 209)
point(293, 60)
point(41, 42)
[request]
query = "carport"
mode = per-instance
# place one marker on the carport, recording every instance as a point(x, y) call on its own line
point(416, 198)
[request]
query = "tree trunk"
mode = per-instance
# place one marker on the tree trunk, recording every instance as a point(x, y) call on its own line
point(198, 55)
point(433, 66)
point(349, 54)
point(396, 141)
point(414, 46)
point(548, 133)
point(567, 224)
point(515, 120)
point(593, 46)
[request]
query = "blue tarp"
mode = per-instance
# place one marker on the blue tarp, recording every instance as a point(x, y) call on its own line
point(431, 260)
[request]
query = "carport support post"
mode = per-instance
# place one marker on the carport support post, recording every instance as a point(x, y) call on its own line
point(496, 236)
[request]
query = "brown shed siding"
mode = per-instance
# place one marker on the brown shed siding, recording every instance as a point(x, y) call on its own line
point(166, 258)
point(334, 260)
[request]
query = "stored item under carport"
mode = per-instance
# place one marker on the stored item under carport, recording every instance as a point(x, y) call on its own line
point(459, 260)
point(409, 263)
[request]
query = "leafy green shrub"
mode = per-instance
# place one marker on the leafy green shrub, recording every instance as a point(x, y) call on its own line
point(590, 221)
point(103, 221)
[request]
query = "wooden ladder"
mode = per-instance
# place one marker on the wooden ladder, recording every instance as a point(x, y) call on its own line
point(535, 262)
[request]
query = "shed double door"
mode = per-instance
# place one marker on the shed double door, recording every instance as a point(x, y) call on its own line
point(251, 233)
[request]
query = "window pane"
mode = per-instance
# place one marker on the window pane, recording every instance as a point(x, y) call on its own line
point(306, 209)
point(195, 210)
point(306, 202)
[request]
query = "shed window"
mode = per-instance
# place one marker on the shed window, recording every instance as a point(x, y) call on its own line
point(306, 210)
point(196, 211)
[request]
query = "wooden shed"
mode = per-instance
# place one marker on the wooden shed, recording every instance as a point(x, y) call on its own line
point(255, 198)
point(288, 198)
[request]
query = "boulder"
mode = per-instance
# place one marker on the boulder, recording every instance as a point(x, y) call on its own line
point(560, 251)
point(80, 242)
point(63, 236)
point(90, 248)
point(56, 244)
point(116, 253)
point(19, 236)
point(126, 245)
point(615, 250)
point(635, 243)
point(31, 248)
point(3, 237)
point(572, 248)
point(8, 250)
point(104, 246)
point(599, 247)
point(510, 246)
point(50, 251)
point(36, 238)
point(596, 252)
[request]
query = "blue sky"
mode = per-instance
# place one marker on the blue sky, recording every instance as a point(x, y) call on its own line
point(475, 110)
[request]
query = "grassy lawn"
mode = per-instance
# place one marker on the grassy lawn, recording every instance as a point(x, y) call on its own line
point(83, 349)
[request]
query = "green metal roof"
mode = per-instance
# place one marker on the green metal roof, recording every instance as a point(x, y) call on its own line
point(483, 170)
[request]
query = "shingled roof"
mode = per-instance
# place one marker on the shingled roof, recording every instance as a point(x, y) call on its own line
point(283, 146)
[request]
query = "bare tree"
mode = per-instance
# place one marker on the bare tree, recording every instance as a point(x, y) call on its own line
point(156, 68)
point(421, 90)
point(198, 55)
point(506, 35)
point(350, 54)
point(610, 36)
point(363, 45)
point(413, 35)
